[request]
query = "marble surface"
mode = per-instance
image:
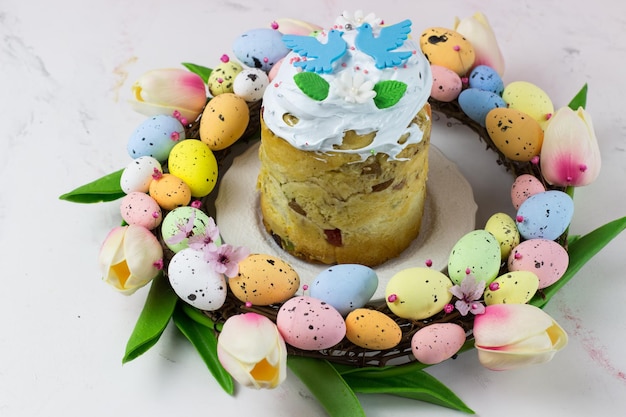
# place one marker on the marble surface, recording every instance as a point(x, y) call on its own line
point(66, 69)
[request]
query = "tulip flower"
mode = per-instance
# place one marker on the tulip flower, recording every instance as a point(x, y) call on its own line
point(510, 336)
point(167, 91)
point(295, 27)
point(130, 257)
point(252, 350)
point(570, 155)
point(478, 31)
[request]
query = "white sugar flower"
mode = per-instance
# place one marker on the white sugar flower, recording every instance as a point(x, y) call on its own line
point(354, 88)
point(350, 21)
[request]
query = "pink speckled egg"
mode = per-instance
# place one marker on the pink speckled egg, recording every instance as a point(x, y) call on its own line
point(437, 342)
point(141, 209)
point(523, 187)
point(545, 258)
point(447, 84)
point(310, 324)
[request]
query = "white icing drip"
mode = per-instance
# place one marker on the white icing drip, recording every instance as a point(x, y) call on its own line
point(321, 124)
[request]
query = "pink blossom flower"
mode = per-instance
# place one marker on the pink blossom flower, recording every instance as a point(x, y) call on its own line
point(225, 259)
point(478, 31)
point(468, 294)
point(208, 240)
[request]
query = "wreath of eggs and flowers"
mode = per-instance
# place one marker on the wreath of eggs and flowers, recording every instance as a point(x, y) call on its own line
point(166, 193)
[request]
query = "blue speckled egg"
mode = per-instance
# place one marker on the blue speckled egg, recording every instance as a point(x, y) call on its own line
point(345, 287)
point(477, 251)
point(545, 215)
point(486, 78)
point(477, 103)
point(260, 48)
point(155, 137)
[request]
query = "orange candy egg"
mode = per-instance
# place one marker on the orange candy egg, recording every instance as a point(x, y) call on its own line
point(517, 135)
point(170, 192)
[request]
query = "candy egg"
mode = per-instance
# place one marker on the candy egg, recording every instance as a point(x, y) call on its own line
point(195, 281)
point(194, 163)
point(224, 120)
point(447, 48)
point(523, 187)
point(517, 135)
point(476, 104)
point(250, 84)
point(260, 48)
point(222, 78)
point(545, 215)
point(139, 208)
point(418, 293)
point(477, 252)
point(514, 287)
point(530, 99)
point(447, 84)
point(372, 329)
point(155, 137)
point(545, 258)
point(182, 223)
point(486, 78)
point(504, 229)
point(263, 280)
point(345, 286)
point(170, 192)
point(310, 324)
point(437, 342)
point(137, 175)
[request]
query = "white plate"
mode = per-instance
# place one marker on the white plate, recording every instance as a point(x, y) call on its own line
point(449, 213)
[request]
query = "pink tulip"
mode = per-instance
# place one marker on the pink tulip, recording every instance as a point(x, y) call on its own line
point(165, 91)
point(478, 31)
point(252, 350)
point(130, 257)
point(570, 155)
point(295, 27)
point(510, 336)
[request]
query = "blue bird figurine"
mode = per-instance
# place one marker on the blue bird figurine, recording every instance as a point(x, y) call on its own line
point(320, 56)
point(381, 48)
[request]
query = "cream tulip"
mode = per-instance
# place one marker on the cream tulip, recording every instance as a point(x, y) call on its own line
point(478, 31)
point(288, 26)
point(510, 336)
point(252, 351)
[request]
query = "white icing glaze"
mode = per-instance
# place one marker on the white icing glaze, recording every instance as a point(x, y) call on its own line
point(321, 124)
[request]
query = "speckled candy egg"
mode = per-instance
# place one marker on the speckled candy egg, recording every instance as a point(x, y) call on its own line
point(260, 48)
point(447, 84)
point(486, 78)
point(504, 229)
point(169, 191)
point(195, 281)
point(224, 120)
point(530, 99)
point(137, 175)
point(139, 208)
point(545, 258)
point(222, 78)
point(372, 329)
point(418, 293)
point(345, 286)
point(182, 223)
point(194, 163)
point(310, 324)
point(514, 287)
point(448, 48)
point(545, 215)
point(478, 251)
point(263, 280)
point(517, 135)
point(437, 342)
point(155, 137)
point(523, 187)
point(250, 84)
point(476, 104)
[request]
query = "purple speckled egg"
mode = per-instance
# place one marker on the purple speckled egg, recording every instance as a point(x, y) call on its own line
point(545, 258)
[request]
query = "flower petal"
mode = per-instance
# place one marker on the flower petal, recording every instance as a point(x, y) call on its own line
point(507, 324)
point(478, 31)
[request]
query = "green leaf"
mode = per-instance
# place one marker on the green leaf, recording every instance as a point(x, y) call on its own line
point(580, 99)
point(327, 386)
point(312, 85)
point(203, 72)
point(153, 319)
point(199, 317)
point(580, 251)
point(388, 93)
point(106, 188)
point(205, 342)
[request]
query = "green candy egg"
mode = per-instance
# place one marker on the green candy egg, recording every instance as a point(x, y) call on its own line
point(477, 252)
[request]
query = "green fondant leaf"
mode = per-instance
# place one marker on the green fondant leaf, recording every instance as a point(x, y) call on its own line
point(388, 93)
point(153, 319)
point(312, 84)
point(203, 72)
point(106, 188)
point(325, 383)
point(579, 100)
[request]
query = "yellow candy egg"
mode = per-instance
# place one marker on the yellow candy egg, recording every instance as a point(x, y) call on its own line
point(517, 135)
point(170, 192)
point(222, 78)
point(448, 48)
point(372, 329)
point(418, 293)
point(504, 229)
point(224, 120)
point(515, 287)
point(192, 161)
point(530, 99)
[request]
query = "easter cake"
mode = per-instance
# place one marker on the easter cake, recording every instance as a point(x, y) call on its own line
point(345, 132)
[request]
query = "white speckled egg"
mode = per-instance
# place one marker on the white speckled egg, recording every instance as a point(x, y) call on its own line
point(504, 229)
point(345, 286)
point(523, 187)
point(263, 280)
point(250, 84)
point(137, 175)
point(222, 78)
point(194, 162)
point(310, 324)
point(260, 48)
point(545, 258)
point(530, 99)
point(418, 293)
point(437, 342)
point(372, 329)
point(545, 215)
point(514, 287)
point(139, 208)
point(182, 223)
point(479, 251)
point(476, 104)
point(155, 137)
point(447, 84)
